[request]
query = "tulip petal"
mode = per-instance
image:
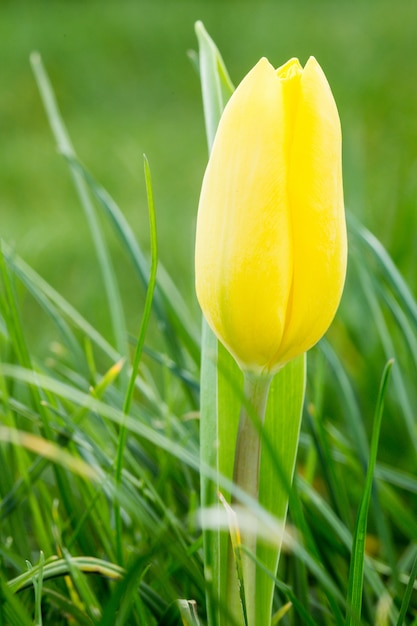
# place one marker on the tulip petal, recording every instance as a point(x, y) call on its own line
point(243, 246)
point(317, 215)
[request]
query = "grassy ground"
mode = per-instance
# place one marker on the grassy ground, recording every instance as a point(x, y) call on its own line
point(125, 86)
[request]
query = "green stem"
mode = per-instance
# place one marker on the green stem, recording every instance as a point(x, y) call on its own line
point(246, 477)
point(136, 359)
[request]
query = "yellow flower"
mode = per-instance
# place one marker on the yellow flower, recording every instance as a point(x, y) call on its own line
point(271, 236)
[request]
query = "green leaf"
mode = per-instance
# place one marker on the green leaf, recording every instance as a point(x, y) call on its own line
point(218, 369)
point(64, 144)
point(12, 610)
point(169, 307)
point(54, 303)
point(188, 612)
point(215, 81)
point(407, 595)
point(54, 567)
point(280, 444)
point(138, 354)
point(355, 586)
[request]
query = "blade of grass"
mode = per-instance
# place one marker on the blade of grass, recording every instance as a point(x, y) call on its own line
point(138, 354)
point(16, 333)
point(236, 544)
point(120, 603)
point(341, 535)
point(355, 585)
point(353, 417)
point(402, 516)
point(65, 331)
point(67, 607)
point(316, 569)
point(299, 521)
point(301, 582)
point(83, 595)
point(54, 567)
point(47, 294)
point(188, 454)
point(396, 477)
point(169, 307)
point(47, 449)
point(277, 617)
point(12, 610)
point(407, 595)
point(15, 460)
point(385, 536)
point(403, 322)
point(188, 612)
point(366, 282)
point(37, 581)
point(34, 282)
point(368, 243)
point(336, 490)
point(64, 144)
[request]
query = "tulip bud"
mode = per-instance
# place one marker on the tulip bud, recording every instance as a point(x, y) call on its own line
point(271, 236)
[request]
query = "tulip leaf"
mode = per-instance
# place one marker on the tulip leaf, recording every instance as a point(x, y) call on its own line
point(216, 85)
point(219, 416)
point(218, 369)
point(221, 399)
point(280, 444)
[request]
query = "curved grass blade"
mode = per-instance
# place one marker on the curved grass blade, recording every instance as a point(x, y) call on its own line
point(138, 354)
point(48, 296)
point(37, 581)
point(188, 455)
point(120, 604)
point(18, 342)
point(350, 404)
point(367, 242)
point(355, 585)
point(169, 307)
point(47, 450)
point(11, 609)
point(54, 567)
point(65, 331)
point(408, 412)
point(407, 595)
point(64, 144)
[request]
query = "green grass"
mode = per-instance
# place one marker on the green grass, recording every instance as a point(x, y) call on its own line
point(125, 86)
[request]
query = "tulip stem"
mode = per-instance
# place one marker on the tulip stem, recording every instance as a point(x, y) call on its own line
point(246, 477)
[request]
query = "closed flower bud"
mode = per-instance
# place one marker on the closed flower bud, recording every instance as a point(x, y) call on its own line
point(271, 234)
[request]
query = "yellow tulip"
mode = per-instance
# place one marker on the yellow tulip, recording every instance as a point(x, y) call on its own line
point(271, 236)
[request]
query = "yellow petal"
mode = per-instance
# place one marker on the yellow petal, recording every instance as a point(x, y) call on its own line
point(317, 215)
point(243, 245)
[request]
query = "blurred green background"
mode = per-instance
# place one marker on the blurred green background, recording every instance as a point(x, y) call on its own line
point(126, 86)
